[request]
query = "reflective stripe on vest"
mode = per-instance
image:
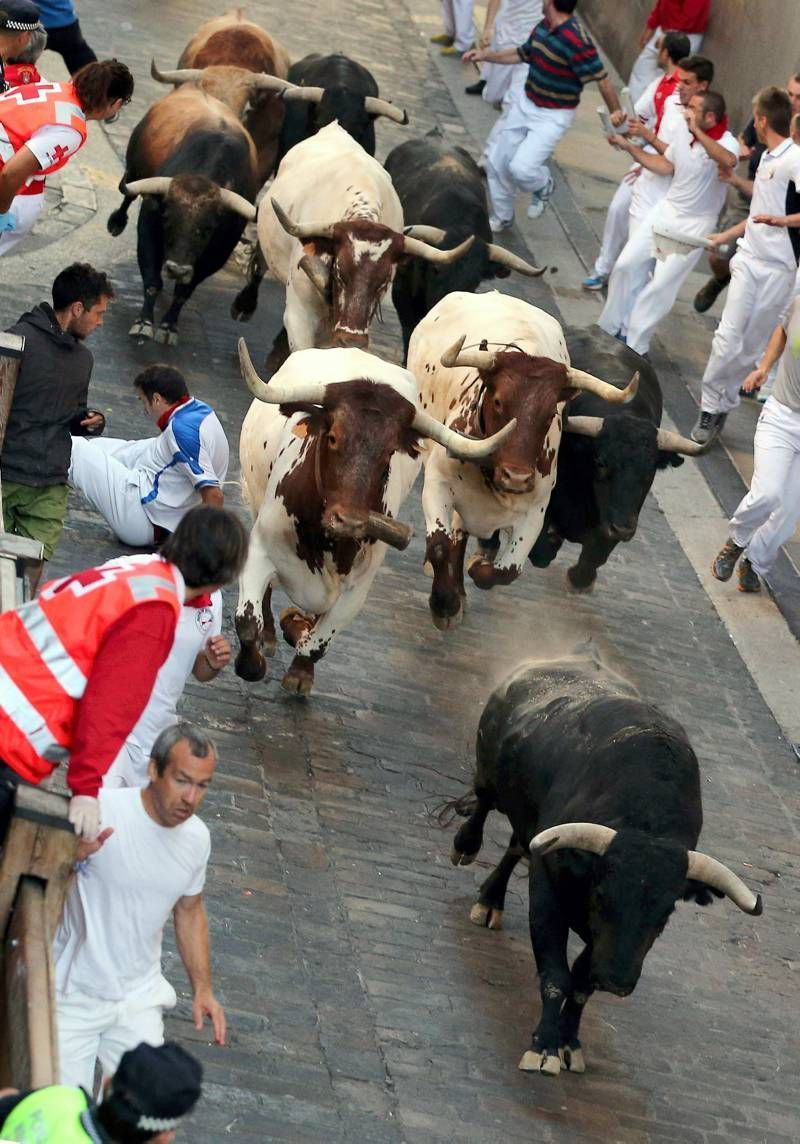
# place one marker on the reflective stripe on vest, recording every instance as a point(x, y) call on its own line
point(54, 654)
point(49, 1114)
point(25, 110)
point(28, 720)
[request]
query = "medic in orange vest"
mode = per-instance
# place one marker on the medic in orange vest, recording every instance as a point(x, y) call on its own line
point(42, 125)
point(78, 664)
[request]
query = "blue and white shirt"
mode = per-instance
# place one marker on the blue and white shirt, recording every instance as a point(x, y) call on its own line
point(190, 454)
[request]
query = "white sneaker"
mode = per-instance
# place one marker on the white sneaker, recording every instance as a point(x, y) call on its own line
point(540, 199)
point(499, 224)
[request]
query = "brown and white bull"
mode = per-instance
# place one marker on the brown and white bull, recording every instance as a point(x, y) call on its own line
point(240, 64)
point(331, 229)
point(329, 451)
point(515, 365)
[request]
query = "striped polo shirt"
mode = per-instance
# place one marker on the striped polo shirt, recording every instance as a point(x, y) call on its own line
point(560, 61)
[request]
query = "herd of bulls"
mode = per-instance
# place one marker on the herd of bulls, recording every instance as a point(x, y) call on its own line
point(522, 445)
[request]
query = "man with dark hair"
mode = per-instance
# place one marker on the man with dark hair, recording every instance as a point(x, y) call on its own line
point(763, 270)
point(143, 488)
point(561, 60)
point(43, 125)
point(148, 862)
point(687, 16)
point(641, 290)
point(49, 404)
point(78, 664)
point(151, 1091)
point(650, 109)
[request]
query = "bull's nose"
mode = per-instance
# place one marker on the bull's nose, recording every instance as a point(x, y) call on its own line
point(178, 270)
point(513, 480)
point(341, 522)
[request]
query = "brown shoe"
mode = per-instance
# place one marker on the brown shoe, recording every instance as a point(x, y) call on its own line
point(725, 560)
point(748, 577)
point(705, 298)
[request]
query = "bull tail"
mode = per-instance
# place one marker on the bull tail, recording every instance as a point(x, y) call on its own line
point(462, 807)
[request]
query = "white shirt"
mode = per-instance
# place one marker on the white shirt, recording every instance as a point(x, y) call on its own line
point(696, 193)
point(108, 943)
point(649, 189)
point(190, 454)
point(775, 171)
point(53, 142)
point(195, 628)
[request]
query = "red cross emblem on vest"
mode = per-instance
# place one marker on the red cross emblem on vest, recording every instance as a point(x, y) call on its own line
point(58, 153)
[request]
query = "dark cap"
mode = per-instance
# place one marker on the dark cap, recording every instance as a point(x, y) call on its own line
point(158, 1085)
point(19, 16)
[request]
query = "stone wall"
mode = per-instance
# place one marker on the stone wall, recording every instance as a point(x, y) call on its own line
point(748, 50)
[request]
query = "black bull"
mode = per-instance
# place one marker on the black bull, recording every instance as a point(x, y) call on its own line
point(604, 791)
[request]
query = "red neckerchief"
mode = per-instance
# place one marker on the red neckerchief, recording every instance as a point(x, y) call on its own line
point(713, 132)
point(163, 420)
point(19, 74)
point(662, 93)
point(198, 602)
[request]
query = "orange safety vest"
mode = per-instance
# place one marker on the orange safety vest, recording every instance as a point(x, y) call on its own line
point(48, 647)
point(24, 110)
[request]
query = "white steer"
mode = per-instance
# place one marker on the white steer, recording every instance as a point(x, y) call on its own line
point(514, 368)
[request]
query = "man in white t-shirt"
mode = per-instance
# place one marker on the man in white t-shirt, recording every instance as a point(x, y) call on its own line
point(148, 862)
point(763, 270)
point(199, 650)
point(641, 290)
point(143, 488)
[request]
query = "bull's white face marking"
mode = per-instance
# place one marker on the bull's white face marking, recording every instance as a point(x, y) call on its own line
point(373, 251)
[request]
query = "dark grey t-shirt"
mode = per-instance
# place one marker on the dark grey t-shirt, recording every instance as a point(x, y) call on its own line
point(787, 383)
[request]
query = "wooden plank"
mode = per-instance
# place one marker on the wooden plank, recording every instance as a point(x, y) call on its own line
point(41, 843)
point(27, 1020)
point(20, 547)
point(11, 350)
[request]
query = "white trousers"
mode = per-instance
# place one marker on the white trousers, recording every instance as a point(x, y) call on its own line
point(25, 209)
point(91, 1029)
point(458, 22)
point(616, 228)
point(502, 80)
point(769, 514)
point(628, 278)
point(658, 297)
point(645, 67)
point(517, 157)
point(758, 294)
point(102, 469)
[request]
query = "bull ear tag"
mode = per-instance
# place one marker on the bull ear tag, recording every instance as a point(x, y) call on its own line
point(300, 429)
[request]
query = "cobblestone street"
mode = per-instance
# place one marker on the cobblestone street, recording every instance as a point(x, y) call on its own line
point(362, 1004)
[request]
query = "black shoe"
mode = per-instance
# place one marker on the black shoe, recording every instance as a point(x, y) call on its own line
point(705, 298)
point(476, 88)
point(707, 427)
point(725, 560)
point(748, 577)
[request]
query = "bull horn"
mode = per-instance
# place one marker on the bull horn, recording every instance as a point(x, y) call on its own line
point(712, 873)
point(375, 106)
point(433, 234)
point(457, 445)
point(580, 380)
point(260, 81)
point(424, 250)
point(584, 426)
point(297, 93)
point(301, 230)
point(237, 203)
point(311, 393)
point(674, 443)
point(589, 836)
point(158, 185)
point(474, 359)
point(181, 75)
point(317, 271)
point(506, 258)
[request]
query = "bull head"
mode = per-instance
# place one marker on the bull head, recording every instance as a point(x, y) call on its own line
point(593, 838)
point(160, 185)
point(255, 81)
point(372, 105)
point(666, 441)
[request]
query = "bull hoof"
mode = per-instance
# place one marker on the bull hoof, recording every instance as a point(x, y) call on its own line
point(297, 682)
point(250, 667)
point(141, 329)
point(545, 1062)
point(166, 336)
point(427, 568)
point(444, 623)
point(459, 858)
point(486, 916)
point(572, 1059)
point(117, 222)
point(294, 625)
point(578, 585)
